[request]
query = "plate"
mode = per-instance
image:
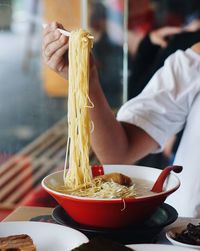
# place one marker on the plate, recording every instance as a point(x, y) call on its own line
point(171, 234)
point(46, 236)
point(157, 247)
point(142, 233)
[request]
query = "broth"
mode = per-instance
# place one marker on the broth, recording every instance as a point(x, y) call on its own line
point(139, 188)
point(143, 187)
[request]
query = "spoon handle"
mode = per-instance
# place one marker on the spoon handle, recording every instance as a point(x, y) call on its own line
point(158, 186)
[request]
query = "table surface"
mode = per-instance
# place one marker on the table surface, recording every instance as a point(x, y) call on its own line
point(25, 213)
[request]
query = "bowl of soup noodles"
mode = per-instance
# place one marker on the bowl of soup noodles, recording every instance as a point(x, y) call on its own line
point(105, 211)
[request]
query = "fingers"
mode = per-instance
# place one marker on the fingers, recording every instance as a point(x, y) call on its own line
point(51, 37)
point(51, 27)
point(61, 65)
point(56, 61)
point(51, 34)
point(54, 46)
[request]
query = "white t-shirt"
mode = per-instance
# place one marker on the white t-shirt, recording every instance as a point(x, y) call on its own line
point(170, 101)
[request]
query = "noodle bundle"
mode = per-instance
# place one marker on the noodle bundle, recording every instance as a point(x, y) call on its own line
point(78, 116)
point(77, 179)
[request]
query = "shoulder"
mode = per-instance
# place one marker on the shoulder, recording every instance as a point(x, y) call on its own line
point(196, 48)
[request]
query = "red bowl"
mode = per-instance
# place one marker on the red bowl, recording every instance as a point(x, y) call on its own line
point(113, 213)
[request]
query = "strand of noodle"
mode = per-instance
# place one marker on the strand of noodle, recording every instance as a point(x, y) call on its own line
point(66, 158)
point(91, 127)
point(124, 205)
point(91, 103)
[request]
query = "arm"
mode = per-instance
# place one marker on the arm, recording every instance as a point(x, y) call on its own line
point(160, 36)
point(112, 141)
point(170, 91)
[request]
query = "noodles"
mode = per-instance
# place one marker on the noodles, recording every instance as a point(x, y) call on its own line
point(77, 180)
point(97, 188)
point(78, 116)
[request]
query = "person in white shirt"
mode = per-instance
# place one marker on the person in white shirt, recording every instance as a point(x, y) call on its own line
point(170, 101)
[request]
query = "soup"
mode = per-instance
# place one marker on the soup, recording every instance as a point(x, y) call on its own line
point(142, 187)
point(102, 189)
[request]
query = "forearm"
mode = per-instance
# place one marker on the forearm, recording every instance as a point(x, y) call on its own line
point(108, 139)
point(112, 141)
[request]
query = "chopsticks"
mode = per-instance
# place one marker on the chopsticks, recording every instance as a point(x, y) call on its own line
point(66, 33)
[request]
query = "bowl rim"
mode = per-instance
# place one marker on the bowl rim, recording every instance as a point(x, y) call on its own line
point(139, 198)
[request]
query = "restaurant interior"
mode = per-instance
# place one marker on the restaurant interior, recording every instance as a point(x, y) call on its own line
point(33, 98)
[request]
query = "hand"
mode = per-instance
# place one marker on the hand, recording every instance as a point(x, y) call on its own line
point(54, 49)
point(158, 37)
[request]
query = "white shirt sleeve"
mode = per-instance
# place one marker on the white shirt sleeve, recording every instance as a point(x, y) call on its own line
point(162, 108)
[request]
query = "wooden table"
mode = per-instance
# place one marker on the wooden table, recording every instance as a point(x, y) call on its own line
point(26, 213)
